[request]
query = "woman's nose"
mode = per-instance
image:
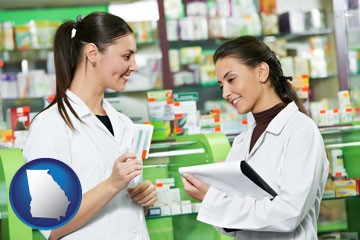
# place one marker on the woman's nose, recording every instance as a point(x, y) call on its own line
point(225, 93)
point(133, 66)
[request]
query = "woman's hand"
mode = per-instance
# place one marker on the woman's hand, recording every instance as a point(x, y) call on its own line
point(143, 194)
point(125, 168)
point(195, 188)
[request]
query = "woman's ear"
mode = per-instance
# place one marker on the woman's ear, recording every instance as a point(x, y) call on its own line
point(91, 52)
point(263, 72)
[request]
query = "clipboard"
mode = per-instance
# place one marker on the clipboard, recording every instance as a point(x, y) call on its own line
point(248, 171)
point(233, 177)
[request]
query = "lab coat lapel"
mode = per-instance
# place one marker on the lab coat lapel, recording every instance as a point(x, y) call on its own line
point(89, 118)
point(244, 140)
point(123, 130)
point(276, 125)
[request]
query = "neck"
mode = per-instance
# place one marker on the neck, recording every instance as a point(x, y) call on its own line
point(91, 93)
point(267, 101)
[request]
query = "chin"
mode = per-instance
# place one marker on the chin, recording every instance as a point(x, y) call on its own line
point(120, 86)
point(241, 111)
point(120, 89)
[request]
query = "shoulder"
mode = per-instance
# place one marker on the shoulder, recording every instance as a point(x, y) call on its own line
point(303, 130)
point(241, 136)
point(48, 137)
point(301, 121)
point(48, 120)
point(291, 120)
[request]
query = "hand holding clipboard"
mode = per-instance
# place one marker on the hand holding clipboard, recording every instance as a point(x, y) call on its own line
point(233, 177)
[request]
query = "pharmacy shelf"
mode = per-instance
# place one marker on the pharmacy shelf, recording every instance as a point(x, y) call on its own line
point(176, 153)
point(347, 128)
point(339, 198)
point(304, 35)
point(16, 55)
point(170, 216)
point(163, 165)
point(331, 75)
point(167, 145)
point(342, 145)
point(332, 226)
point(215, 43)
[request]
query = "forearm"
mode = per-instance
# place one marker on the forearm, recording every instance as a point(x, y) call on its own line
point(92, 202)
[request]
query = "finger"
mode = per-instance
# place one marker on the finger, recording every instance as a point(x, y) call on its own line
point(188, 186)
point(149, 203)
point(133, 174)
point(148, 198)
point(132, 166)
point(138, 195)
point(193, 180)
point(185, 182)
point(124, 157)
point(142, 191)
point(140, 187)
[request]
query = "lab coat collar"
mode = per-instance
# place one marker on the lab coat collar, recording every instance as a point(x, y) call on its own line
point(275, 127)
point(280, 120)
point(121, 124)
point(78, 104)
point(83, 110)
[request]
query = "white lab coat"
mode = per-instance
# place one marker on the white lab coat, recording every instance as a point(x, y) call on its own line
point(90, 152)
point(290, 155)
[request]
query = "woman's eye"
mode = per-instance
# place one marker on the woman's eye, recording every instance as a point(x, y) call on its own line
point(221, 88)
point(231, 79)
point(127, 57)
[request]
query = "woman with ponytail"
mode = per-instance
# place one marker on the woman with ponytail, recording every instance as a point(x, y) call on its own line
point(284, 146)
point(84, 131)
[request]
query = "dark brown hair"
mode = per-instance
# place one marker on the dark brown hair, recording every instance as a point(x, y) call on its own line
point(251, 51)
point(99, 28)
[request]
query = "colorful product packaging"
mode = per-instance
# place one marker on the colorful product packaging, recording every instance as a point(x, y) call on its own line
point(345, 188)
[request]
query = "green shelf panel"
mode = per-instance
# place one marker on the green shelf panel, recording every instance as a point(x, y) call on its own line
point(338, 198)
point(332, 226)
point(347, 138)
point(23, 16)
point(11, 226)
point(169, 145)
point(184, 226)
point(160, 228)
point(170, 216)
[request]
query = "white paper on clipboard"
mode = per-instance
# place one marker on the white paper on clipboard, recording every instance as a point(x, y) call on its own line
point(226, 177)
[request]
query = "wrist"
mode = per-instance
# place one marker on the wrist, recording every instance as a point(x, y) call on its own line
point(112, 187)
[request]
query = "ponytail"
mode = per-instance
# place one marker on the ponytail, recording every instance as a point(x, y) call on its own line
point(281, 83)
point(66, 55)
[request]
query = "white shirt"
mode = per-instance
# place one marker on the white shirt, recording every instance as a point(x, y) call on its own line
point(90, 151)
point(290, 155)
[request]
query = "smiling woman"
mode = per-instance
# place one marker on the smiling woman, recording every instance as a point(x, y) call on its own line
point(248, 67)
point(82, 129)
point(251, 79)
